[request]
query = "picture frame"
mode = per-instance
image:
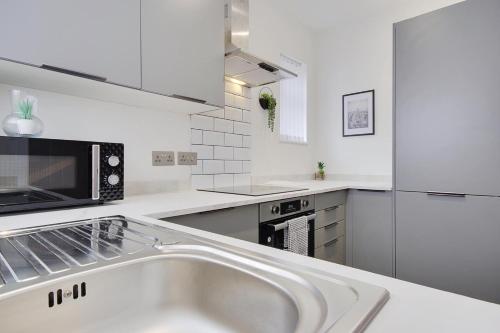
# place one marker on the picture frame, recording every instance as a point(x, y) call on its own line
point(358, 114)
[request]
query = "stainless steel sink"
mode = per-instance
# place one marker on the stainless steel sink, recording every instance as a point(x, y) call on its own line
point(119, 275)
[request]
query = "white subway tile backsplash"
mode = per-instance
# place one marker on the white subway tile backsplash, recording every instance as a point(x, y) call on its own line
point(196, 137)
point(247, 116)
point(212, 167)
point(242, 128)
point(223, 153)
point(233, 166)
point(233, 88)
point(213, 138)
point(202, 181)
point(222, 139)
point(242, 154)
point(202, 122)
point(241, 102)
point(247, 141)
point(223, 180)
point(228, 98)
point(223, 125)
point(198, 168)
point(247, 167)
point(233, 113)
point(219, 113)
point(242, 180)
point(233, 140)
point(204, 152)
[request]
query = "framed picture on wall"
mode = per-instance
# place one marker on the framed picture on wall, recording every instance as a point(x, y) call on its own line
point(358, 116)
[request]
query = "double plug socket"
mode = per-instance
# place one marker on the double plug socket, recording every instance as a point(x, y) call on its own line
point(167, 158)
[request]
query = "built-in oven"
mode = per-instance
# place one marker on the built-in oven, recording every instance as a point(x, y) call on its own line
point(48, 173)
point(274, 217)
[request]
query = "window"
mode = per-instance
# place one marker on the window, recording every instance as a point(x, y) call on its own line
point(293, 100)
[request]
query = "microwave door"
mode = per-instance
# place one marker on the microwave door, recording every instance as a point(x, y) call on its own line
point(38, 171)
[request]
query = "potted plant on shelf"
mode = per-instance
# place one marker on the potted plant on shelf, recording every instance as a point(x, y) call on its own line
point(321, 171)
point(25, 123)
point(268, 102)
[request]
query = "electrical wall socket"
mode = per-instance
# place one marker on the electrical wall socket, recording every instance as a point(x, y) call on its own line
point(187, 158)
point(163, 158)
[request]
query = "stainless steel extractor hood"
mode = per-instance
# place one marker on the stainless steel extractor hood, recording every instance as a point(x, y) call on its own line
point(242, 66)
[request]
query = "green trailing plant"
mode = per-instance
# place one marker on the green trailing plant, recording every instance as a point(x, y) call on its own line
point(26, 109)
point(321, 168)
point(268, 102)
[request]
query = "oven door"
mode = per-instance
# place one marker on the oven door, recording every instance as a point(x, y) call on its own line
point(272, 233)
point(45, 173)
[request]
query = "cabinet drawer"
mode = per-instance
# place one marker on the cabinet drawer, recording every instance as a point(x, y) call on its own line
point(329, 233)
point(330, 199)
point(330, 215)
point(333, 251)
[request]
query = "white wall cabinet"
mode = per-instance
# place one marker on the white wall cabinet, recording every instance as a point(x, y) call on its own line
point(183, 49)
point(93, 37)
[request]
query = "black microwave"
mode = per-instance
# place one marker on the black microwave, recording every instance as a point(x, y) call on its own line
point(49, 173)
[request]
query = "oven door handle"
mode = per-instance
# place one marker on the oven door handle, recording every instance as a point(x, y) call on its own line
point(96, 172)
point(284, 225)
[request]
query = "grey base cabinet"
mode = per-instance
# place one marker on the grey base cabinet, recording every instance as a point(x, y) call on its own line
point(449, 243)
point(240, 222)
point(329, 234)
point(370, 231)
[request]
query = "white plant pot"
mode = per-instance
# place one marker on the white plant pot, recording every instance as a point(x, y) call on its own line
point(26, 126)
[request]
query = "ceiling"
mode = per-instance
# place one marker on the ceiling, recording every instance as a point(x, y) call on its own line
point(323, 14)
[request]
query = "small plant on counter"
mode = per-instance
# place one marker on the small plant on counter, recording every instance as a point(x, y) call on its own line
point(268, 102)
point(321, 171)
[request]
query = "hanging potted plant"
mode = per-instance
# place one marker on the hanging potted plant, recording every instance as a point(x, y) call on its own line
point(268, 102)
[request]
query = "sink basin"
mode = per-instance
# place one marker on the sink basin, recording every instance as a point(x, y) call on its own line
point(180, 285)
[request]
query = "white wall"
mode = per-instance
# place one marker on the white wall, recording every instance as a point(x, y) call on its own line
point(141, 130)
point(272, 33)
point(356, 55)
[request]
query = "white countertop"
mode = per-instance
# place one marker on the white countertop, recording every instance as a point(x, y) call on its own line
point(411, 308)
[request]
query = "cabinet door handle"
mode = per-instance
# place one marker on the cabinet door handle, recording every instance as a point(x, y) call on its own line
point(334, 224)
point(331, 208)
point(331, 243)
point(446, 194)
point(74, 73)
point(190, 99)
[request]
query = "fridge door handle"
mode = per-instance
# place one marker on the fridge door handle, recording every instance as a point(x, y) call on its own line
point(446, 194)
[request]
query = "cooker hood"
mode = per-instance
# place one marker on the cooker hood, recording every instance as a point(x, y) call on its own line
point(241, 66)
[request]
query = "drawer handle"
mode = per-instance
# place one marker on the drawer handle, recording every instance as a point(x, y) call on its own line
point(332, 242)
point(446, 194)
point(330, 226)
point(331, 208)
point(74, 73)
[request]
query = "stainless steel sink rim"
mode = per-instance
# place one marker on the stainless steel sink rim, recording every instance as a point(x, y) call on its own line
point(258, 266)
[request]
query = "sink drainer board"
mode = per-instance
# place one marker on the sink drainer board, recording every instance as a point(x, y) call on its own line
point(28, 256)
point(119, 275)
